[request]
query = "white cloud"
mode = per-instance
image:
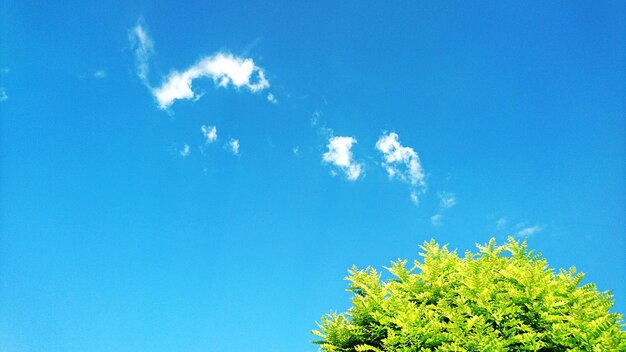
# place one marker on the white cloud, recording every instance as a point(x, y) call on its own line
point(415, 198)
point(315, 117)
point(224, 69)
point(272, 99)
point(402, 163)
point(446, 200)
point(100, 74)
point(339, 154)
point(209, 132)
point(501, 223)
point(233, 144)
point(296, 151)
point(399, 161)
point(3, 92)
point(529, 231)
point(436, 220)
point(185, 151)
point(143, 48)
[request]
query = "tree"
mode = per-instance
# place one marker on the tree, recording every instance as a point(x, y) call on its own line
point(503, 298)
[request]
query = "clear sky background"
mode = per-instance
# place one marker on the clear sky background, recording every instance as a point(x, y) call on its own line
point(345, 133)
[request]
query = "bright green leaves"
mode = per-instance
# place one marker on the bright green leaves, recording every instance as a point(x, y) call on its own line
point(503, 298)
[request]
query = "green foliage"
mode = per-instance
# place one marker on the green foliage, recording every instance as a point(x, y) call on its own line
point(503, 298)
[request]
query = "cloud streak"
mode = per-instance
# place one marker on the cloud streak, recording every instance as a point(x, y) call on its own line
point(224, 69)
point(529, 231)
point(340, 155)
point(143, 48)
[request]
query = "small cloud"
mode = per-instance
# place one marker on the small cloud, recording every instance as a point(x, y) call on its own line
point(296, 151)
point(501, 223)
point(436, 220)
point(224, 69)
point(339, 154)
point(415, 198)
point(233, 144)
point(446, 200)
point(3, 92)
point(209, 133)
point(142, 46)
point(315, 118)
point(401, 162)
point(99, 74)
point(198, 96)
point(272, 99)
point(529, 231)
point(185, 151)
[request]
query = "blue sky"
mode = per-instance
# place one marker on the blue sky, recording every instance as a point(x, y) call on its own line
point(199, 177)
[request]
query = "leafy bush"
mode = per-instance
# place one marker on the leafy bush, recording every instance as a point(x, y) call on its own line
point(503, 298)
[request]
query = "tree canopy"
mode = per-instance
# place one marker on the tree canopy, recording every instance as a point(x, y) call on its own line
point(502, 298)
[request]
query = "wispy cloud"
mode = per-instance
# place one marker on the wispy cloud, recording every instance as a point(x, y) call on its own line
point(436, 220)
point(402, 163)
point(3, 91)
point(446, 200)
point(185, 151)
point(143, 48)
point(501, 223)
point(529, 231)
point(272, 99)
point(99, 74)
point(224, 69)
point(315, 118)
point(233, 145)
point(209, 133)
point(519, 229)
point(340, 154)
